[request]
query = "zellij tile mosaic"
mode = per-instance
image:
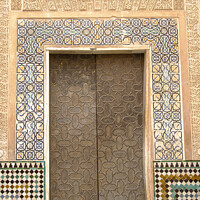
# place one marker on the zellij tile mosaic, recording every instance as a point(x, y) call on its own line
point(177, 180)
point(22, 180)
point(160, 33)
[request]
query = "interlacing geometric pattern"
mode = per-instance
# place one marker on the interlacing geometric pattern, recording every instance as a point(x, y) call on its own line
point(120, 126)
point(177, 180)
point(161, 34)
point(22, 180)
point(73, 149)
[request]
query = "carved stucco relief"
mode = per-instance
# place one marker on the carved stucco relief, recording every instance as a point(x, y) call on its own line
point(88, 5)
point(193, 33)
point(178, 5)
point(3, 78)
point(16, 5)
point(163, 4)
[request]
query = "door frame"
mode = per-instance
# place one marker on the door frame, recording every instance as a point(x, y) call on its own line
point(148, 153)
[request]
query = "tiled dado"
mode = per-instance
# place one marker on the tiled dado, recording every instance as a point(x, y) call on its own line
point(160, 33)
point(22, 180)
point(177, 180)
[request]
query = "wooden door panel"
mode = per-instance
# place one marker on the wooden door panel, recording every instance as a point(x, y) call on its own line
point(115, 117)
point(73, 152)
point(120, 126)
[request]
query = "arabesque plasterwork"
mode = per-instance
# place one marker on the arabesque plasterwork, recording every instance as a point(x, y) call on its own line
point(96, 5)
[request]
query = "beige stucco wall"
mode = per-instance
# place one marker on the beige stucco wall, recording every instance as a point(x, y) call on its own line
point(4, 9)
point(193, 35)
point(192, 8)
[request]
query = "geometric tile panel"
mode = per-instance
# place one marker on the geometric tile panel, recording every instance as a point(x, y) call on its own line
point(160, 33)
point(177, 180)
point(22, 180)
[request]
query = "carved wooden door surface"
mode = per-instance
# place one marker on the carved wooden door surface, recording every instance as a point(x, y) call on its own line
point(96, 127)
point(73, 151)
point(120, 126)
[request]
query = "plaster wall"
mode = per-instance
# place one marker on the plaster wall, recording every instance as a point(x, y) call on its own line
point(4, 12)
point(193, 42)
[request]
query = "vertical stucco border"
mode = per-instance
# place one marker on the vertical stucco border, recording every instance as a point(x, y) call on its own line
point(185, 84)
point(183, 62)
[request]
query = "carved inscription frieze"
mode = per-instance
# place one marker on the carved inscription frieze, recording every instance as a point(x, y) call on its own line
point(92, 5)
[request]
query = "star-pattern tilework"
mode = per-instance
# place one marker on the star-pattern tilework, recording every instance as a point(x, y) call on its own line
point(22, 180)
point(177, 180)
point(160, 33)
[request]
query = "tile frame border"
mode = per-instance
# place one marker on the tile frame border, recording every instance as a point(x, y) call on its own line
point(18, 161)
point(171, 161)
point(185, 81)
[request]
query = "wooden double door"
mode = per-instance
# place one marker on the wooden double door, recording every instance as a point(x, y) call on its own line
point(96, 127)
